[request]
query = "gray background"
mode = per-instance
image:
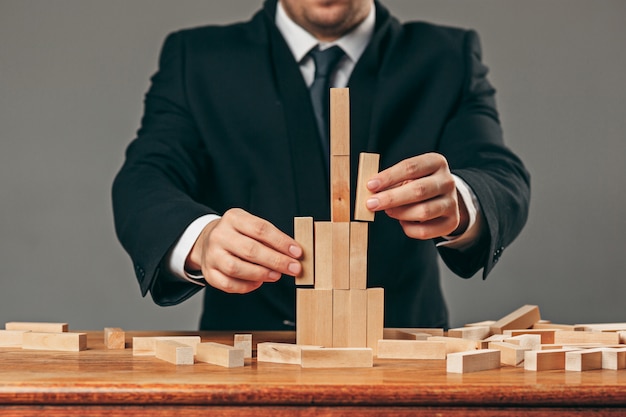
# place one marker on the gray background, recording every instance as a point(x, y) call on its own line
point(72, 78)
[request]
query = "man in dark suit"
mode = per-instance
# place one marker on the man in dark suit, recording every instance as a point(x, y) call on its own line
point(229, 152)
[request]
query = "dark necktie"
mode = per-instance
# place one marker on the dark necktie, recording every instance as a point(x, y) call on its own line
point(325, 62)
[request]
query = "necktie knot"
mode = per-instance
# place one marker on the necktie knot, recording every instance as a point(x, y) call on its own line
point(326, 60)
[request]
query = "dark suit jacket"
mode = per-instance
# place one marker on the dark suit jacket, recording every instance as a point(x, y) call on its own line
point(228, 123)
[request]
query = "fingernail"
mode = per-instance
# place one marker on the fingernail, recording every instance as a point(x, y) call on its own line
point(294, 268)
point(372, 203)
point(295, 251)
point(274, 275)
point(373, 184)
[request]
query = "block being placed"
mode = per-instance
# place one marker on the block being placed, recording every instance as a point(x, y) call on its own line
point(174, 352)
point(473, 361)
point(220, 354)
point(368, 167)
point(244, 341)
point(303, 234)
point(146, 346)
point(114, 338)
point(337, 358)
point(411, 349)
point(522, 318)
point(287, 353)
point(12, 338)
point(69, 342)
point(38, 327)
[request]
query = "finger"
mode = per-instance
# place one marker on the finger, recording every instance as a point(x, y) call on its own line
point(410, 192)
point(441, 226)
point(407, 169)
point(232, 266)
point(425, 211)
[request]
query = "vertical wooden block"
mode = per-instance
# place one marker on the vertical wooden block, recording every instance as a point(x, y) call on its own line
point(69, 342)
point(583, 360)
point(544, 360)
point(510, 354)
point(244, 342)
point(341, 256)
point(146, 346)
point(314, 317)
point(340, 188)
point(37, 327)
point(411, 349)
point(473, 361)
point(368, 167)
point(614, 358)
point(339, 121)
point(281, 352)
point(375, 317)
point(323, 255)
point(114, 338)
point(220, 354)
point(472, 332)
point(522, 318)
point(349, 318)
point(337, 358)
point(303, 234)
point(12, 338)
point(358, 255)
point(174, 352)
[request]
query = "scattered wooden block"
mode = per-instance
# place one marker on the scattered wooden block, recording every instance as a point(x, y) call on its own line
point(495, 338)
point(174, 352)
point(375, 317)
point(323, 255)
point(114, 338)
point(339, 121)
point(572, 337)
point(37, 327)
point(522, 318)
point(391, 331)
point(473, 361)
point(487, 323)
point(146, 346)
point(340, 188)
point(220, 354)
point(358, 255)
point(349, 311)
point(281, 352)
point(510, 354)
point(603, 327)
point(368, 167)
point(400, 334)
point(411, 349)
point(544, 360)
point(303, 234)
point(337, 358)
point(454, 344)
point(314, 316)
point(64, 341)
point(614, 358)
point(12, 338)
point(583, 360)
point(557, 326)
point(472, 332)
point(244, 341)
point(341, 256)
point(547, 335)
point(530, 341)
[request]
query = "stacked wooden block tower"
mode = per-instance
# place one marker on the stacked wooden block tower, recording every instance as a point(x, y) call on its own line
point(339, 311)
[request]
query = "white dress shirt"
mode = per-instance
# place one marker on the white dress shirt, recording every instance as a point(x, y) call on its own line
point(300, 43)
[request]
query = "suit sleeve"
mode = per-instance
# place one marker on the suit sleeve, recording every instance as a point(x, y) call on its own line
point(155, 193)
point(472, 142)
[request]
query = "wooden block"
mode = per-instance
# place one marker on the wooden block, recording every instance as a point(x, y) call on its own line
point(341, 256)
point(571, 337)
point(174, 352)
point(220, 354)
point(244, 341)
point(340, 188)
point(522, 318)
point(583, 360)
point(614, 358)
point(454, 344)
point(69, 342)
point(303, 234)
point(146, 346)
point(281, 352)
point(400, 334)
point(603, 327)
point(349, 318)
point(323, 255)
point(622, 337)
point(358, 255)
point(375, 317)
point(547, 335)
point(530, 341)
point(340, 121)
point(556, 326)
point(473, 361)
point(487, 323)
point(544, 360)
point(368, 167)
point(411, 349)
point(37, 327)
point(114, 338)
point(510, 354)
point(314, 317)
point(495, 338)
point(472, 332)
point(337, 358)
point(430, 330)
point(12, 338)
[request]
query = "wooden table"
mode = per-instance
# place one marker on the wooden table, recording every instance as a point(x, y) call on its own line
point(107, 382)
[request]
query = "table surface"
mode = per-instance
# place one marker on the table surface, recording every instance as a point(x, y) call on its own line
point(105, 381)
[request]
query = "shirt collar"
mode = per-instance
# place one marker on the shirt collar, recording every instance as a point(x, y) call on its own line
point(300, 41)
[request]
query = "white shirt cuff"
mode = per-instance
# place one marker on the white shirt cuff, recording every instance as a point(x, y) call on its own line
point(178, 255)
point(471, 234)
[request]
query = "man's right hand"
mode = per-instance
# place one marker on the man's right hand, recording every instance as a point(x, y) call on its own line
point(240, 251)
